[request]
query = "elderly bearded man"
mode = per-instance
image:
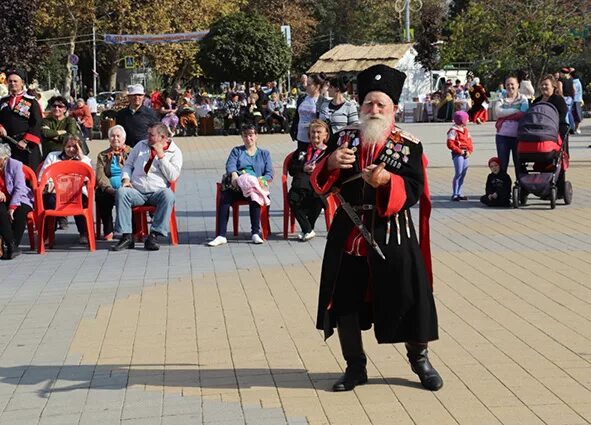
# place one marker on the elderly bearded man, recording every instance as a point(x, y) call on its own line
point(374, 271)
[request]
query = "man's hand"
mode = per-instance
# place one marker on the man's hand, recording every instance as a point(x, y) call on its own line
point(2, 197)
point(309, 168)
point(3, 132)
point(126, 183)
point(375, 175)
point(22, 145)
point(159, 148)
point(343, 157)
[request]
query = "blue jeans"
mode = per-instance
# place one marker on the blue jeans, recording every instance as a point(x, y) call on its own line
point(505, 146)
point(569, 113)
point(461, 167)
point(128, 197)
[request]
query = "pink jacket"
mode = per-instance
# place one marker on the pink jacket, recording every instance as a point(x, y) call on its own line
point(252, 189)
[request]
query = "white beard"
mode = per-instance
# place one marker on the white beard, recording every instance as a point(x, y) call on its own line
point(375, 128)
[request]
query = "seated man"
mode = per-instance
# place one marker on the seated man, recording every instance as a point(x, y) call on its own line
point(150, 168)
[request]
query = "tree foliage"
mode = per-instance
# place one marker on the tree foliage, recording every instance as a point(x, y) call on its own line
point(18, 46)
point(241, 47)
point(431, 26)
point(501, 36)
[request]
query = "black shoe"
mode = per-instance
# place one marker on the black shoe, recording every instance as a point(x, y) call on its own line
point(151, 243)
point(455, 199)
point(350, 379)
point(419, 362)
point(11, 251)
point(126, 242)
point(463, 198)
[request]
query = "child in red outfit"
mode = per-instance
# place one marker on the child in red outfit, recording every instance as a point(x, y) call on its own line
point(459, 142)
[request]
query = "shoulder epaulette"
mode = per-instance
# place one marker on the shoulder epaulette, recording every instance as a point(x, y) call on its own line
point(28, 96)
point(405, 135)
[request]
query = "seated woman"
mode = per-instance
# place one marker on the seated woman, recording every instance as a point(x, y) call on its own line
point(169, 116)
point(109, 166)
point(16, 201)
point(57, 126)
point(71, 151)
point(253, 114)
point(187, 119)
point(303, 200)
point(246, 159)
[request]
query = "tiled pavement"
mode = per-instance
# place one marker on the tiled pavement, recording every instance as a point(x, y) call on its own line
point(193, 335)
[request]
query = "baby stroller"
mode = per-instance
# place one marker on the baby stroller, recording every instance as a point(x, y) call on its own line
point(543, 160)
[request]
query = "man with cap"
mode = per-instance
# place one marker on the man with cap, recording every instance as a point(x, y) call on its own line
point(20, 119)
point(136, 118)
point(374, 270)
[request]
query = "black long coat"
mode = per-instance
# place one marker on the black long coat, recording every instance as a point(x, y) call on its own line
point(401, 305)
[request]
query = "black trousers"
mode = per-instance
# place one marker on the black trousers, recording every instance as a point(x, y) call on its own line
point(13, 231)
point(237, 122)
point(306, 207)
point(104, 206)
point(279, 118)
point(31, 159)
point(49, 203)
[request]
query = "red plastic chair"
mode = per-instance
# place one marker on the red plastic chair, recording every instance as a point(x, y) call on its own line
point(31, 178)
point(69, 177)
point(330, 206)
point(141, 220)
point(265, 222)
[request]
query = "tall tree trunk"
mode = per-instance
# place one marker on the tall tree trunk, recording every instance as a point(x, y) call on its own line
point(71, 51)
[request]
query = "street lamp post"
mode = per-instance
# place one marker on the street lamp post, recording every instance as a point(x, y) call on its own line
point(94, 73)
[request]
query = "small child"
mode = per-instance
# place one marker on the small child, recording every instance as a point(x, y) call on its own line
point(459, 142)
point(498, 186)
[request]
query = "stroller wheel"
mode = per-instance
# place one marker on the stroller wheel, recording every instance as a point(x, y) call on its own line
point(553, 197)
point(515, 197)
point(568, 192)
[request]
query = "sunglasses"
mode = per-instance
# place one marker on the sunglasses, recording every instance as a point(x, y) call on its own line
point(58, 106)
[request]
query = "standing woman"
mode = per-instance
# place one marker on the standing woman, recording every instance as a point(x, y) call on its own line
point(57, 126)
point(16, 201)
point(338, 112)
point(306, 110)
point(548, 93)
point(109, 167)
point(20, 118)
point(509, 110)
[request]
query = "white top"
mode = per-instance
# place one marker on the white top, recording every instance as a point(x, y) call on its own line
point(307, 112)
point(92, 105)
point(162, 172)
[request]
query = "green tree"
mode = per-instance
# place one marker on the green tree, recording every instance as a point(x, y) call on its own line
point(501, 36)
point(19, 45)
point(429, 32)
point(241, 47)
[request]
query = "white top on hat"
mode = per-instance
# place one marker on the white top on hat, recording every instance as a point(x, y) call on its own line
point(135, 89)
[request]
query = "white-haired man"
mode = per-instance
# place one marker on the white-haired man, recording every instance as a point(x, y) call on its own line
point(374, 271)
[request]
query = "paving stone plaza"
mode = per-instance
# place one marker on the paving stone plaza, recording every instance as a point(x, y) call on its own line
point(192, 335)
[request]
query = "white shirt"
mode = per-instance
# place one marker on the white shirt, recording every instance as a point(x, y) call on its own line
point(92, 105)
point(54, 157)
point(162, 172)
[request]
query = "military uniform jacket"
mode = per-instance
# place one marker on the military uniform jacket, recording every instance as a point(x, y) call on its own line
point(21, 119)
point(400, 297)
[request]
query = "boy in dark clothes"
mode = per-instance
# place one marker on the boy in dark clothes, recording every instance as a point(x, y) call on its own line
point(498, 186)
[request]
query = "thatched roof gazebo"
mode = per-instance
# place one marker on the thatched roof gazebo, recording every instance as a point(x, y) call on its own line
point(351, 59)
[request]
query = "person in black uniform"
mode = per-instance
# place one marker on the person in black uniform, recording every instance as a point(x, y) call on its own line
point(136, 118)
point(20, 119)
point(377, 274)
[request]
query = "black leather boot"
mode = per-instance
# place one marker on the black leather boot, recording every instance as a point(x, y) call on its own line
point(419, 362)
point(352, 347)
point(12, 250)
point(126, 242)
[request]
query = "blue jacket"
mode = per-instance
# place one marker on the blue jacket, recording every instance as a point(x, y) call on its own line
point(263, 166)
point(14, 178)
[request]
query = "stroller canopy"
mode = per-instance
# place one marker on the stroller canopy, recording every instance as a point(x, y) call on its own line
point(540, 123)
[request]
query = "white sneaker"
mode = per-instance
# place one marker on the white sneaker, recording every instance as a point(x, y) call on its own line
point(578, 131)
point(219, 240)
point(308, 236)
point(301, 236)
point(256, 239)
